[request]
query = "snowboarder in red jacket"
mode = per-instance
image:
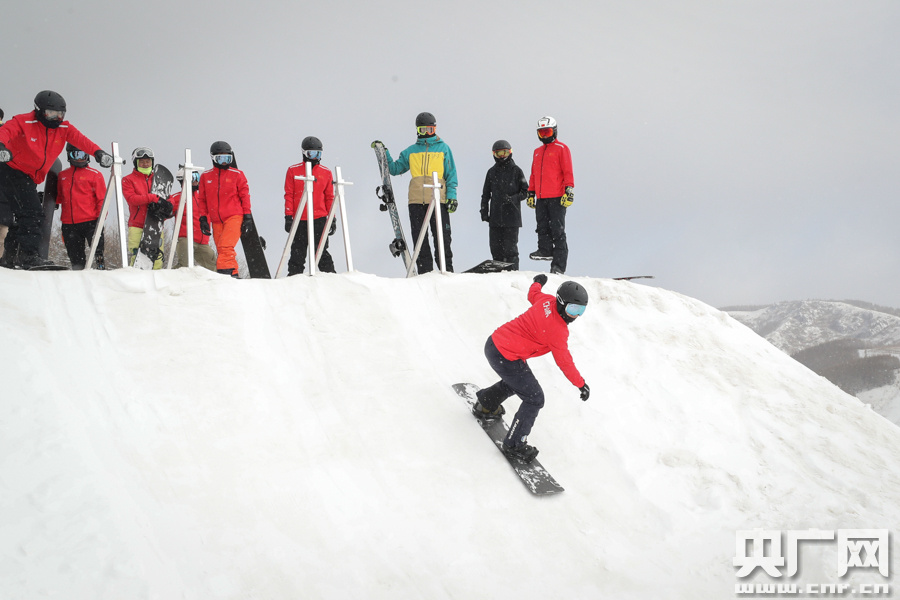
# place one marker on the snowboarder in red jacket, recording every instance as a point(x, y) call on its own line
point(541, 329)
point(29, 143)
point(550, 192)
point(80, 191)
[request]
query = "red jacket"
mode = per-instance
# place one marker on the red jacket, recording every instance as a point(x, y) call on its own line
point(323, 190)
point(551, 170)
point(80, 192)
point(136, 188)
point(199, 236)
point(536, 332)
point(223, 193)
point(35, 147)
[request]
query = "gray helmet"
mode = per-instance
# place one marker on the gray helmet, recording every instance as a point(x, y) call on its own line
point(501, 145)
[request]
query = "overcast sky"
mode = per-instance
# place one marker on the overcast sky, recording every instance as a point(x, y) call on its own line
point(742, 151)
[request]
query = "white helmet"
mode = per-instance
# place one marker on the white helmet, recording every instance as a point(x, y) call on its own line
point(546, 122)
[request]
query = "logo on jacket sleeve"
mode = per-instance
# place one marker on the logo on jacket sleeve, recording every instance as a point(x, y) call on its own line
point(547, 310)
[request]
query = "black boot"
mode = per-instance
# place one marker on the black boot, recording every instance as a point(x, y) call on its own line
point(521, 451)
point(488, 415)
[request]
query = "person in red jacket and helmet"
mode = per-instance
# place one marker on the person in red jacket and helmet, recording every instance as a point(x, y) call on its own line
point(323, 199)
point(29, 143)
point(136, 187)
point(204, 255)
point(541, 329)
point(224, 195)
point(80, 191)
point(550, 192)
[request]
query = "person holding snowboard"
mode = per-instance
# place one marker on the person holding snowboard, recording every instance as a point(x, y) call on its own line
point(29, 144)
point(204, 255)
point(428, 155)
point(505, 187)
point(550, 192)
point(141, 201)
point(80, 191)
point(322, 199)
point(224, 195)
point(541, 329)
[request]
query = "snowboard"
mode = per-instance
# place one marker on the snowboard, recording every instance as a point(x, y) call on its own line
point(385, 193)
point(491, 266)
point(255, 253)
point(49, 205)
point(535, 477)
point(633, 277)
point(149, 250)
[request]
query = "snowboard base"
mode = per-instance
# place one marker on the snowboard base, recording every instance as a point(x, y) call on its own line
point(255, 252)
point(535, 477)
point(490, 266)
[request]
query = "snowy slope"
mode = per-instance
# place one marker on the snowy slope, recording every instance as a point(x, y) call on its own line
point(184, 435)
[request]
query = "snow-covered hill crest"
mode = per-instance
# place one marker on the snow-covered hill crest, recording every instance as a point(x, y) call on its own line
point(184, 435)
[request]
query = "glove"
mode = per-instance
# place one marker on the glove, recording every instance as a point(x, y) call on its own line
point(377, 142)
point(288, 223)
point(530, 200)
point(333, 227)
point(165, 209)
point(541, 279)
point(247, 224)
point(585, 392)
point(5, 154)
point(204, 226)
point(485, 215)
point(103, 159)
point(451, 205)
point(569, 197)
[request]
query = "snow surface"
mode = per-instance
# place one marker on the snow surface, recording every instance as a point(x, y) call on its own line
point(178, 434)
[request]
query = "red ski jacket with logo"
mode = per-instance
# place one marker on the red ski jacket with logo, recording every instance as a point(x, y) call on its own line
point(35, 147)
point(223, 193)
point(80, 192)
point(323, 190)
point(136, 188)
point(536, 332)
point(551, 170)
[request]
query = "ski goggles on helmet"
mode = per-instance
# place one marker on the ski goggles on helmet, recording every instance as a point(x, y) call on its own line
point(502, 153)
point(313, 154)
point(142, 153)
point(78, 155)
point(426, 129)
point(575, 310)
point(223, 159)
point(545, 132)
point(54, 115)
point(195, 176)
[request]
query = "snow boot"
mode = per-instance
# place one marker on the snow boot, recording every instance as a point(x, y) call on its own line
point(32, 261)
point(482, 413)
point(522, 451)
point(538, 255)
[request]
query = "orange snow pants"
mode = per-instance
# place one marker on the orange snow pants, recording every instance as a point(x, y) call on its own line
point(226, 236)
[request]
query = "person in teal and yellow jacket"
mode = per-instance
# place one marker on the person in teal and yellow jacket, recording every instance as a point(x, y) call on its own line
point(429, 154)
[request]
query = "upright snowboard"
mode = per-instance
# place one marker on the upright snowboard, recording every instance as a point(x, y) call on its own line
point(49, 206)
point(149, 250)
point(535, 477)
point(385, 193)
point(254, 251)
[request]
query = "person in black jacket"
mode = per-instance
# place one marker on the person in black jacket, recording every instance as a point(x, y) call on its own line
point(505, 187)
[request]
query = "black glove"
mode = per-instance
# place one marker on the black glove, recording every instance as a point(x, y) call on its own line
point(165, 209)
point(41, 197)
point(333, 228)
point(585, 392)
point(288, 223)
point(541, 279)
point(377, 142)
point(247, 225)
point(452, 204)
point(5, 154)
point(204, 226)
point(529, 200)
point(103, 159)
point(485, 215)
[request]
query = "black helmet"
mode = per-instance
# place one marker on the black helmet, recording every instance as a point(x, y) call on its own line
point(49, 101)
point(311, 143)
point(76, 157)
point(571, 300)
point(501, 145)
point(425, 118)
point(222, 148)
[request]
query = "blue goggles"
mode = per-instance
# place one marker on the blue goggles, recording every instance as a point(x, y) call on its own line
point(195, 176)
point(313, 154)
point(575, 310)
point(222, 159)
point(78, 155)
